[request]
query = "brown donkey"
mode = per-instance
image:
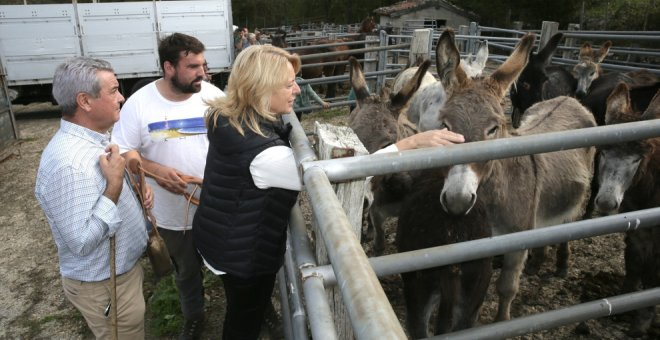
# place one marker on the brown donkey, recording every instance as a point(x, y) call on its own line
point(546, 189)
point(588, 68)
point(374, 121)
point(629, 180)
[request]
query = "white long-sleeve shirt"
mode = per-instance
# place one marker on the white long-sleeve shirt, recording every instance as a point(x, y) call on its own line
point(276, 167)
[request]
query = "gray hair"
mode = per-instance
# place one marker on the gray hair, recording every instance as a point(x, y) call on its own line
point(74, 76)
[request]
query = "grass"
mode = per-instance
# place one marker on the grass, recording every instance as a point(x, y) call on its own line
point(164, 308)
point(331, 112)
point(164, 317)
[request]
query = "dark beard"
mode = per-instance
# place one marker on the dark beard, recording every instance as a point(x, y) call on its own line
point(186, 88)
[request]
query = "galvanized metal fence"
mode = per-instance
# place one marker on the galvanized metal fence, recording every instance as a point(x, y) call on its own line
point(391, 51)
point(356, 276)
point(303, 281)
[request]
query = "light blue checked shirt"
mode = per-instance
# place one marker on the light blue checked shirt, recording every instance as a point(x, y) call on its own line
point(70, 188)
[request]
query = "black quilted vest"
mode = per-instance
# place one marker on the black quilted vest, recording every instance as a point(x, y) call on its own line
point(239, 228)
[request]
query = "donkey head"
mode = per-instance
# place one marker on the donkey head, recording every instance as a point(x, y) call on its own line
point(529, 88)
point(374, 119)
point(588, 68)
point(474, 110)
point(621, 165)
point(278, 39)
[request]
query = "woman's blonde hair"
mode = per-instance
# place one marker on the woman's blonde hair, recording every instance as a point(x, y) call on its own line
point(257, 72)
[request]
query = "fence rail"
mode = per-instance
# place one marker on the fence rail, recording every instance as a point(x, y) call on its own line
point(357, 275)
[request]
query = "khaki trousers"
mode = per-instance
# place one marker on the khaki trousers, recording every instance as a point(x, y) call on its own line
point(92, 298)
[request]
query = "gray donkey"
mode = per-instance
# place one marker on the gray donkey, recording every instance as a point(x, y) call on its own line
point(547, 189)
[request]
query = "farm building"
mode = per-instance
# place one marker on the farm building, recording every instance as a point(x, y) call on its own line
point(423, 13)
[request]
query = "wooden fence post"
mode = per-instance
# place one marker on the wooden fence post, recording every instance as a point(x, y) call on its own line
point(371, 66)
point(336, 142)
point(548, 29)
point(420, 45)
point(382, 60)
point(570, 42)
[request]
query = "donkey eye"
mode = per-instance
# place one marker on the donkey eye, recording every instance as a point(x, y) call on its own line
point(443, 125)
point(526, 85)
point(492, 130)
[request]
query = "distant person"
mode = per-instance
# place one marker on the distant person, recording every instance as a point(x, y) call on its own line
point(83, 192)
point(305, 98)
point(163, 121)
point(252, 39)
point(241, 40)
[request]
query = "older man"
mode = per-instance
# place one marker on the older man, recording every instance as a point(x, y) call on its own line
point(81, 189)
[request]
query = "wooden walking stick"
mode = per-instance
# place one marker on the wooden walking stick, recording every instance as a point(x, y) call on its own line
point(113, 288)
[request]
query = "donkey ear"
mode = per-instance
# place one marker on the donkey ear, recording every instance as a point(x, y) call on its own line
point(447, 61)
point(653, 110)
point(408, 90)
point(548, 50)
point(602, 53)
point(586, 51)
point(508, 72)
point(618, 103)
point(357, 80)
point(482, 55)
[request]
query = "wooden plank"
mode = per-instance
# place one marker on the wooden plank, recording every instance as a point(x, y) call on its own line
point(334, 142)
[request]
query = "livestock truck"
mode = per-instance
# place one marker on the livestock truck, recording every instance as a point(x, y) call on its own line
point(35, 38)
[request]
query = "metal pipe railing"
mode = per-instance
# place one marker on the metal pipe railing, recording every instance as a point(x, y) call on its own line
point(560, 317)
point(475, 249)
point(370, 312)
point(321, 322)
point(573, 34)
point(353, 51)
point(287, 323)
point(297, 315)
point(343, 43)
point(356, 167)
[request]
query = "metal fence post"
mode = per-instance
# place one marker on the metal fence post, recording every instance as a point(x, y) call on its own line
point(472, 43)
point(462, 44)
point(569, 42)
point(370, 66)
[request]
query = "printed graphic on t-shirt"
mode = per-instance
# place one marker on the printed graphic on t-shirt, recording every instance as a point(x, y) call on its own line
point(179, 128)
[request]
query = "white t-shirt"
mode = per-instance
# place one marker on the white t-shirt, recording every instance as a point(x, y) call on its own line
point(172, 134)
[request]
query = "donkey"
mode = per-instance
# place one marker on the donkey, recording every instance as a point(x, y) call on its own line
point(629, 178)
point(459, 289)
point(405, 128)
point(539, 81)
point(548, 188)
point(374, 121)
point(278, 39)
point(642, 86)
point(588, 68)
point(387, 192)
point(474, 66)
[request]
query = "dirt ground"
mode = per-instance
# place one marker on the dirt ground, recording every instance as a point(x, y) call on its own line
point(34, 307)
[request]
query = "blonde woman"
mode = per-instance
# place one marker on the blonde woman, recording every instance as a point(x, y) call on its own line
point(251, 183)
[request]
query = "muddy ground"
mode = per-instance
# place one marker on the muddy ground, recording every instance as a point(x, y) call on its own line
point(33, 305)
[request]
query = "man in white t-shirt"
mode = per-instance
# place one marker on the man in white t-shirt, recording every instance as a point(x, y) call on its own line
point(164, 122)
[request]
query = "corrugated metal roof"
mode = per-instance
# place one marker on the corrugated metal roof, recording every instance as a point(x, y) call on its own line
point(410, 6)
point(399, 6)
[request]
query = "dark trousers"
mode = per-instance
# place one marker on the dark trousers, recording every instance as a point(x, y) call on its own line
point(247, 302)
point(188, 271)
